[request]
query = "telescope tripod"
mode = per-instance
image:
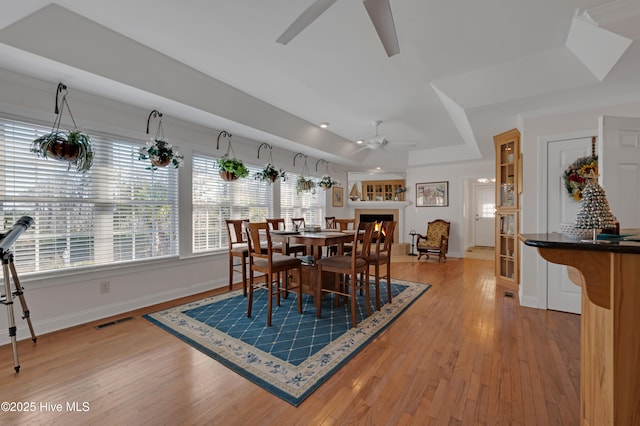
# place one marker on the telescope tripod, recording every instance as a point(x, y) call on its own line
point(9, 270)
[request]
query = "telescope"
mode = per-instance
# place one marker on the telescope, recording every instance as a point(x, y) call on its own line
point(9, 270)
point(9, 237)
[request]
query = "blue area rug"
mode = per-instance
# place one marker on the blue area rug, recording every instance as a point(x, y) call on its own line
point(298, 352)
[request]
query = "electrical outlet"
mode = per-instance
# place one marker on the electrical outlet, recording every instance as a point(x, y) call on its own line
point(105, 287)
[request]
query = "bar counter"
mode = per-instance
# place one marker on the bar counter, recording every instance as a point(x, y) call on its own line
point(609, 273)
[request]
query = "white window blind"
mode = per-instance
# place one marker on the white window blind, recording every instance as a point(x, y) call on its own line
point(118, 211)
point(215, 200)
point(306, 204)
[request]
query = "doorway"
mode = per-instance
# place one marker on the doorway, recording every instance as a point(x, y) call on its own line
point(479, 218)
point(485, 213)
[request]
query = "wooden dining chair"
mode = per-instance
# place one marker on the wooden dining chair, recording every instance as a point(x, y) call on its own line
point(330, 222)
point(277, 224)
point(346, 225)
point(298, 223)
point(382, 256)
point(347, 269)
point(271, 264)
point(238, 249)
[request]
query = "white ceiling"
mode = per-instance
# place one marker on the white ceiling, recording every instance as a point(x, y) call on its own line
point(466, 70)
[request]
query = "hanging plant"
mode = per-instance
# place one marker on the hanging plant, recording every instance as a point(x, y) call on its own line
point(576, 175)
point(72, 146)
point(158, 150)
point(327, 182)
point(270, 174)
point(161, 154)
point(305, 185)
point(231, 168)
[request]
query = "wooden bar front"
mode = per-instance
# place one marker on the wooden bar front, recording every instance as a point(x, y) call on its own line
point(609, 274)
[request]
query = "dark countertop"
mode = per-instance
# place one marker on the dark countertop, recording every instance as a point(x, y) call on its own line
point(630, 244)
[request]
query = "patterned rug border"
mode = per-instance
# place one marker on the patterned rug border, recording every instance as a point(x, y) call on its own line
point(289, 382)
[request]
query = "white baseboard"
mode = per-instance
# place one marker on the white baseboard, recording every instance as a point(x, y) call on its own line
point(529, 302)
point(82, 317)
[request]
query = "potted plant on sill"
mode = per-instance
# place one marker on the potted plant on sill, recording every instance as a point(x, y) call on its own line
point(74, 146)
point(305, 185)
point(161, 153)
point(231, 168)
point(270, 174)
point(327, 182)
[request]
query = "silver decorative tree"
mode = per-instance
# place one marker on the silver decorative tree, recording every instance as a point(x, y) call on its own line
point(594, 212)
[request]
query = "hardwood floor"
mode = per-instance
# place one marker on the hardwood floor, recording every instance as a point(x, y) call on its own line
point(463, 353)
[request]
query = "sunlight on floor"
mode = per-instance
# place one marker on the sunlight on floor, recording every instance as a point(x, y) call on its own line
point(480, 253)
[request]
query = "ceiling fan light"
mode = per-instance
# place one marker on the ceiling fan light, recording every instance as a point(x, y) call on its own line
point(359, 141)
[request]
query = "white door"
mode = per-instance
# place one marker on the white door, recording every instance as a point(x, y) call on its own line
point(562, 293)
point(485, 202)
point(619, 167)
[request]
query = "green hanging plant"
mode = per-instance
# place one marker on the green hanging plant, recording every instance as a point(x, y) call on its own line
point(270, 174)
point(73, 146)
point(231, 168)
point(305, 185)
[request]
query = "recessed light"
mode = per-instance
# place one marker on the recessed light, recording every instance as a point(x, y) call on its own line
point(324, 125)
point(378, 168)
point(359, 141)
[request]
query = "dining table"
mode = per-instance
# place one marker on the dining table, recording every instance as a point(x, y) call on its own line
point(314, 241)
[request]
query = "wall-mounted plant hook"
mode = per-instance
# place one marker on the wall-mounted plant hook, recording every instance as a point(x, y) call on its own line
point(299, 155)
point(322, 161)
point(225, 134)
point(159, 132)
point(61, 87)
point(264, 145)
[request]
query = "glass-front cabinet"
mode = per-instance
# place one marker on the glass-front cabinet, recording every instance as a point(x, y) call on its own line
point(508, 176)
point(376, 187)
point(506, 157)
point(386, 190)
point(507, 249)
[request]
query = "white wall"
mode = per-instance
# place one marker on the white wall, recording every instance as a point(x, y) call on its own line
point(65, 298)
point(534, 132)
point(456, 174)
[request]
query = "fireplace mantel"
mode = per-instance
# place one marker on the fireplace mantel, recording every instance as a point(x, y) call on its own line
point(378, 204)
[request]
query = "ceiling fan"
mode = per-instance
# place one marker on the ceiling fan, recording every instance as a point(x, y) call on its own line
point(379, 12)
point(379, 142)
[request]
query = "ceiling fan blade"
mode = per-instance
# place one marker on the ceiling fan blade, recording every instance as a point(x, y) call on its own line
point(359, 150)
point(312, 13)
point(380, 14)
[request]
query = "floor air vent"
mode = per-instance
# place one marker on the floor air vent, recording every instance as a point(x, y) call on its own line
point(110, 323)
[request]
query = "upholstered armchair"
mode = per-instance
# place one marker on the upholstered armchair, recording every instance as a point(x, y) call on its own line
point(436, 241)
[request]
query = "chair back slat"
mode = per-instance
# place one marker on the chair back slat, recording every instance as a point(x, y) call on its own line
point(235, 231)
point(259, 238)
point(276, 224)
point(345, 224)
point(387, 228)
point(362, 242)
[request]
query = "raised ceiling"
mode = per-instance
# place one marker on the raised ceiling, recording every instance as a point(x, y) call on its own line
point(466, 69)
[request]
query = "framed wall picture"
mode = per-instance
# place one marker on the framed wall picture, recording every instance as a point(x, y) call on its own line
point(338, 196)
point(432, 194)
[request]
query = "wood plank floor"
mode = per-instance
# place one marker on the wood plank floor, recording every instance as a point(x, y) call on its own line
point(462, 354)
